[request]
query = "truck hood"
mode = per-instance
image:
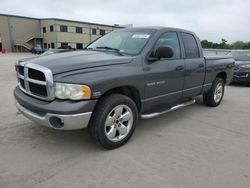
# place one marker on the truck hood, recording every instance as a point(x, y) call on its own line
point(70, 61)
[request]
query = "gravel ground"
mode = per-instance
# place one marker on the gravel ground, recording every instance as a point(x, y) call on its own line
point(194, 147)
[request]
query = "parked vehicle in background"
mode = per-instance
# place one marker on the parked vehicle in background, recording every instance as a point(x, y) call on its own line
point(242, 66)
point(37, 50)
point(55, 51)
point(127, 73)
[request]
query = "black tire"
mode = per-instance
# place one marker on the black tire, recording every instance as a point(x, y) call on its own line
point(97, 127)
point(208, 98)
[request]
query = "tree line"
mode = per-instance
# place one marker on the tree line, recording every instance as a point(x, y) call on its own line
point(224, 45)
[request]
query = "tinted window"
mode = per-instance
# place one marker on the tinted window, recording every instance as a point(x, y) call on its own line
point(79, 46)
point(93, 31)
point(52, 45)
point(44, 29)
point(64, 45)
point(170, 39)
point(78, 30)
point(63, 28)
point(191, 47)
point(51, 28)
point(102, 32)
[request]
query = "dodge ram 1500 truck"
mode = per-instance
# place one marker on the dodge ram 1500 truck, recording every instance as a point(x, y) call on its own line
point(125, 74)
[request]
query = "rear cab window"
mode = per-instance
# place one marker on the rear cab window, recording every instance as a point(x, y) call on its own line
point(191, 46)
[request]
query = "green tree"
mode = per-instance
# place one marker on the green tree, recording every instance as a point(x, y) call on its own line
point(237, 45)
point(224, 45)
point(206, 44)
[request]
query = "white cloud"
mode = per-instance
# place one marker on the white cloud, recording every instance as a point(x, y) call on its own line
point(210, 19)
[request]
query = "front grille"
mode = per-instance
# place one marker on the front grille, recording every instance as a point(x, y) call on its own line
point(37, 75)
point(22, 83)
point(21, 70)
point(38, 90)
point(35, 80)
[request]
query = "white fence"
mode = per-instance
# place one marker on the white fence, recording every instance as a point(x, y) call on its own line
point(211, 52)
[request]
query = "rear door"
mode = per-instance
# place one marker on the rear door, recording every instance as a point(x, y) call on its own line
point(194, 66)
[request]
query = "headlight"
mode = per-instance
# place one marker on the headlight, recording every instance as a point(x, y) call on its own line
point(72, 91)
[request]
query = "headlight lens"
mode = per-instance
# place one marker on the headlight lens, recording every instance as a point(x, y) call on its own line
point(72, 91)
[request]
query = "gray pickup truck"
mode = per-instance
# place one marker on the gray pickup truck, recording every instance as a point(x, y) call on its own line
point(125, 74)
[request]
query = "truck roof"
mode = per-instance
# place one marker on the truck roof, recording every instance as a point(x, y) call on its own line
point(155, 28)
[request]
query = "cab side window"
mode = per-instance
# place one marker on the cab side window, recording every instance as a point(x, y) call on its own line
point(191, 47)
point(170, 39)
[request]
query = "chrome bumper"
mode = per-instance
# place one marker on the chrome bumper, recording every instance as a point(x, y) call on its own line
point(57, 121)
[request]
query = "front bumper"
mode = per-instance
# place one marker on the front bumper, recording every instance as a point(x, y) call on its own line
point(57, 114)
point(57, 121)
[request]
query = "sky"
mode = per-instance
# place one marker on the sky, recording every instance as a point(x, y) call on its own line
point(209, 19)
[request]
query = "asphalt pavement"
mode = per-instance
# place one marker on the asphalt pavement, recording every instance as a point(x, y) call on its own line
point(193, 147)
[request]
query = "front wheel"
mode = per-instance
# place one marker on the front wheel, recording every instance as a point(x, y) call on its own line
point(114, 121)
point(215, 95)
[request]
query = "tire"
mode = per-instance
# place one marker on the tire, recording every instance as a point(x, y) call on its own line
point(109, 125)
point(217, 89)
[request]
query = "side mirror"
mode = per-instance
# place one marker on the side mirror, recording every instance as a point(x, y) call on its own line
point(164, 52)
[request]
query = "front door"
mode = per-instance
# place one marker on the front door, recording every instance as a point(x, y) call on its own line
point(164, 78)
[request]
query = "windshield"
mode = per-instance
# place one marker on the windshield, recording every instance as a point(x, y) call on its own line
point(124, 42)
point(241, 55)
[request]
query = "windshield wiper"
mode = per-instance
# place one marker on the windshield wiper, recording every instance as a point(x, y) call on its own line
point(109, 48)
point(89, 48)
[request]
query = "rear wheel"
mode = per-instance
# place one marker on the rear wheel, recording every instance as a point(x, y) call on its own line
point(114, 121)
point(215, 95)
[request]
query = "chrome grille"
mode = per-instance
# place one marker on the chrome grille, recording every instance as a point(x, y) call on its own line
point(35, 80)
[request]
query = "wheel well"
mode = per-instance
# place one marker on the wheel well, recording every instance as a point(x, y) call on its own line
point(129, 91)
point(222, 75)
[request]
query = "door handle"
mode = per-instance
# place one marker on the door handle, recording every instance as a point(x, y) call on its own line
point(179, 68)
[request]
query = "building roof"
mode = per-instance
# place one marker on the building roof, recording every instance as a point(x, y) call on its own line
point(59, 19)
